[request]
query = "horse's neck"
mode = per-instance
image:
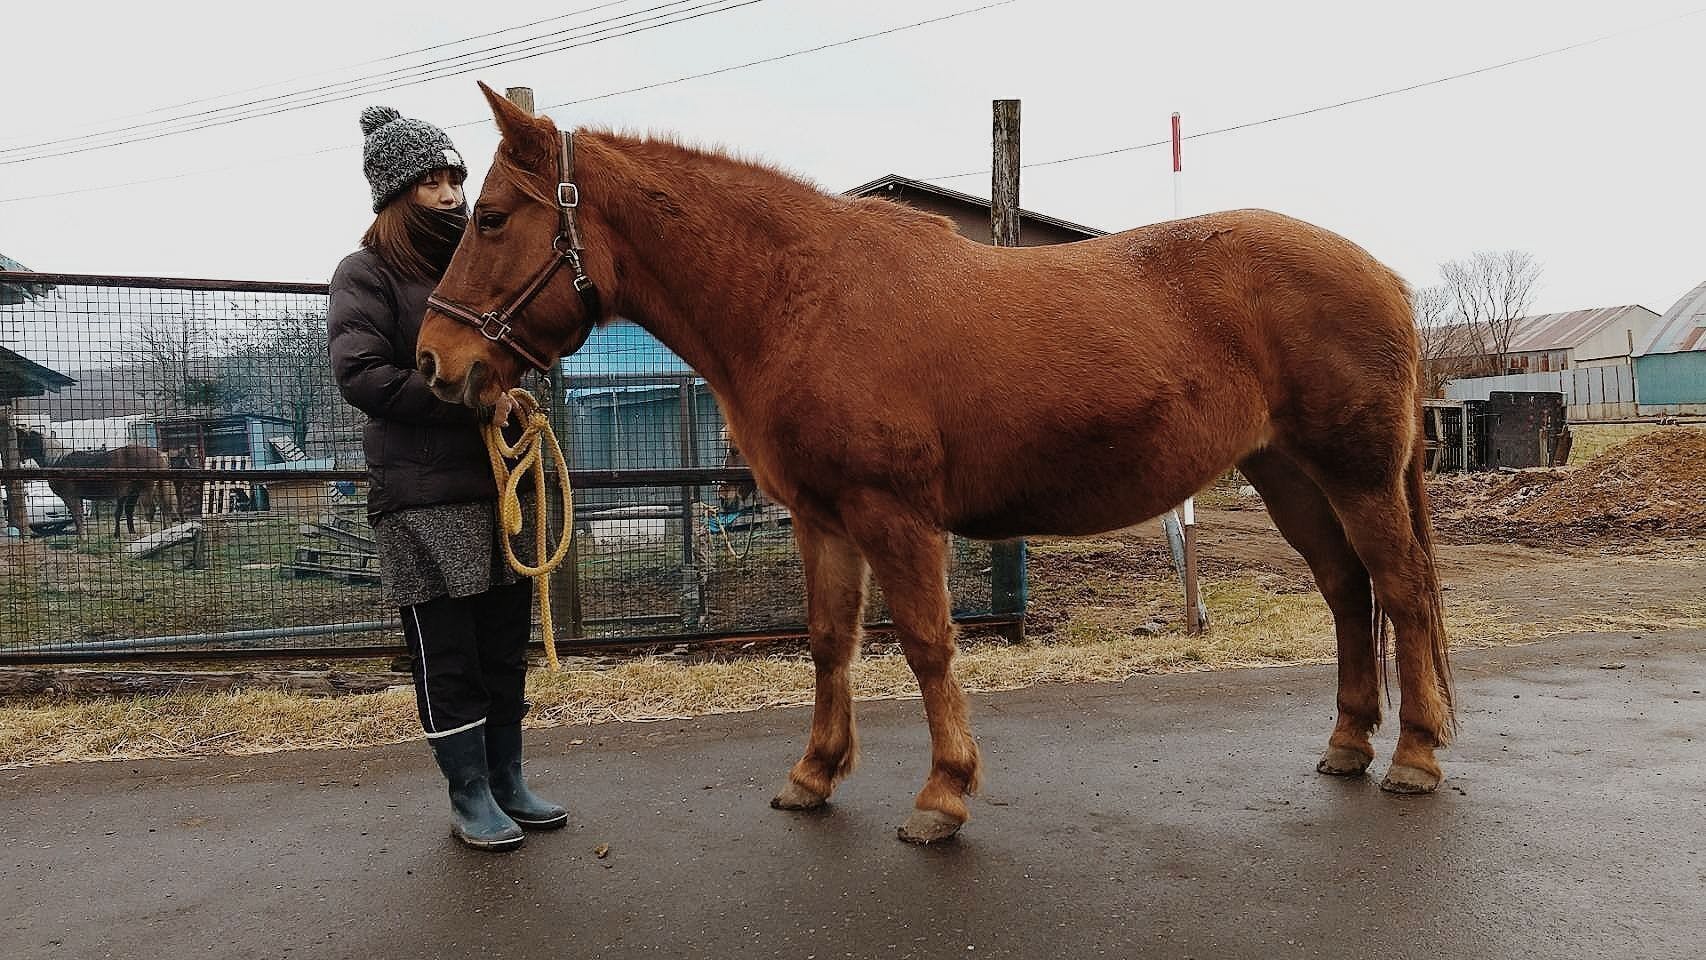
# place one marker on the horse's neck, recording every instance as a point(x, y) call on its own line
point(697, 242)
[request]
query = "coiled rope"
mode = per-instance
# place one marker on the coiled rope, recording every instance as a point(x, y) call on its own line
point(529, 455)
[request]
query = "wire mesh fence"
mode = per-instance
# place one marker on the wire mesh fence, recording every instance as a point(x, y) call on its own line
point(182, 479)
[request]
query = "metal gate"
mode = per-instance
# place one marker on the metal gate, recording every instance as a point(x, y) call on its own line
point(250, 528)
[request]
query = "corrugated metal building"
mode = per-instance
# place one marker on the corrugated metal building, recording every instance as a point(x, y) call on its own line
point(1670, 364)
point(1599, 337)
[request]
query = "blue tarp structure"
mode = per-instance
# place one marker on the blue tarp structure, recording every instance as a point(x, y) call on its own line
point(621, 348)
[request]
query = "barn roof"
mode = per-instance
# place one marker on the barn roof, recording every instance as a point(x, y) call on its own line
point(889, 184)
point(16, 293)
point(1682, 328)
point(22, 377)
point(1563, 331)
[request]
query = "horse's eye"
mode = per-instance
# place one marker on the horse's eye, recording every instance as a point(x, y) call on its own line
point(492, 220)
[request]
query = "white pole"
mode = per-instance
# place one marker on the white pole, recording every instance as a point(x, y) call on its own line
point(1193, 619)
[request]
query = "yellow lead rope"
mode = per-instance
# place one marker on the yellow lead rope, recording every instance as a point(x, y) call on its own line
point(529, 455)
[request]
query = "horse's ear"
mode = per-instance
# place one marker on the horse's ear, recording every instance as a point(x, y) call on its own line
point(526, 135)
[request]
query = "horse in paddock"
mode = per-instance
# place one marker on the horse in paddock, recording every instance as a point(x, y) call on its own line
point(125, 494)
point(732, 495)
point(891, 381)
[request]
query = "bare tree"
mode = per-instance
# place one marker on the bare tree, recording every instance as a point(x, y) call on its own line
point(184, 376)
point(1491, 291)
point(283, 365)
point(1450, 347)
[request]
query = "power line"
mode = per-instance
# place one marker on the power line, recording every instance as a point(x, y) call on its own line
point(784, 56)
point(318, 73)
point(468, 123)
point(1322, 108)
point(421, 74)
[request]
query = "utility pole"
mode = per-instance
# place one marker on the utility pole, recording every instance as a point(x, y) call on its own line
point(565, 580)
point(1007, 558)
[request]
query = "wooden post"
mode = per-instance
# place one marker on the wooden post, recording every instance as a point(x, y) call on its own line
point(17, 512)
point(1008, 592)
point(521, 97)
point(565, 580)
point(692, 592)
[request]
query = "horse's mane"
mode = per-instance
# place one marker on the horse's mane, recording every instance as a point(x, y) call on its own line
point(730, 168)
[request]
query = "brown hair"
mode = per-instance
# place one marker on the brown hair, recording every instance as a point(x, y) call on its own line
point(394, 235)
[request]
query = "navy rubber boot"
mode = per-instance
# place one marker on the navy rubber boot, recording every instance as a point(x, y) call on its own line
point(477, 820)
point(509, 787)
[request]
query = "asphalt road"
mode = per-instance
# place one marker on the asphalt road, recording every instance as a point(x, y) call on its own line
point(1169, 816)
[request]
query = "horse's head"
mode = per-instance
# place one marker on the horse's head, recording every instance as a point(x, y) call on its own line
point(518, 293)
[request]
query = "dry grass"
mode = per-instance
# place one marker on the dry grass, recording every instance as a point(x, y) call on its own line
point(1252, 625)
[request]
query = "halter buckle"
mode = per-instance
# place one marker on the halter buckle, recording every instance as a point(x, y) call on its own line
point(568, 196)
point(485, 327)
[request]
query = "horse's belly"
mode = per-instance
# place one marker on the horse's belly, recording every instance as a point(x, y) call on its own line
point(1075, 485)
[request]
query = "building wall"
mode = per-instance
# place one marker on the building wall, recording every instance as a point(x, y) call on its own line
point(1615, 342)
point(1590, 393)
point(1538, 361)
point(1676, 381)
point(1619, 361)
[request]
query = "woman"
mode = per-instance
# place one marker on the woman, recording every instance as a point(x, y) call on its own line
point(431, 497)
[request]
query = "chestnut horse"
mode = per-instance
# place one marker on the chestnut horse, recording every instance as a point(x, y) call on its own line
point(891, 381)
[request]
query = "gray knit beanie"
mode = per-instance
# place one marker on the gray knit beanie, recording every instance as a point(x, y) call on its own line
point(398, 151)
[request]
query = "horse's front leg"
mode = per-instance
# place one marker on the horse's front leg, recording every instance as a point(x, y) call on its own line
point(910, 561)
point(835, 611)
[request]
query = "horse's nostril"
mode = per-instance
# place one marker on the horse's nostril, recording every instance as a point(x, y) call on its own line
point(428, 365)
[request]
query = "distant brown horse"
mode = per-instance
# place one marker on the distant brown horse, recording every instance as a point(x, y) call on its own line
point(125, 494)
point(734, 494)
point(891, 381)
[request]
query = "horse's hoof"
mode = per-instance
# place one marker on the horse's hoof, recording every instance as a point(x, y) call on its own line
point(1402, 779)
point(1343, 762)
point(796, 797)
point(925, 827)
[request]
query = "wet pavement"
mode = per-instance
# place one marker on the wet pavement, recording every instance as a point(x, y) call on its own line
point(1173, 816)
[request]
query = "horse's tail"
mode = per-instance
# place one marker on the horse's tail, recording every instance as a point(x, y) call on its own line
point(1421, 524)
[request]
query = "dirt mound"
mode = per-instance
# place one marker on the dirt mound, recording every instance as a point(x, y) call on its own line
point(1654, 484)
point(1657, 481)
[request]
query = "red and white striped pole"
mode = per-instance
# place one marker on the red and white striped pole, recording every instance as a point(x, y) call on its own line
point(1193, 608)
point(1178, 172)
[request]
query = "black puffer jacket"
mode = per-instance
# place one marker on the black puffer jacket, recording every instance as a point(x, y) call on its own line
point(421, 451)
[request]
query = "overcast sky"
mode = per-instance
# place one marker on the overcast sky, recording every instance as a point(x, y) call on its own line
point(1590, 159)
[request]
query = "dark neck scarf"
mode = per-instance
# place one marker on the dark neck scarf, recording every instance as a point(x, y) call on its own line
point(436, 233)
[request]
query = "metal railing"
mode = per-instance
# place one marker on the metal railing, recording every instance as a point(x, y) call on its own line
point(246, 488)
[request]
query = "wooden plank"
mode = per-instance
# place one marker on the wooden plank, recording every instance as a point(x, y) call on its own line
point(71, 682)
point(166, 539)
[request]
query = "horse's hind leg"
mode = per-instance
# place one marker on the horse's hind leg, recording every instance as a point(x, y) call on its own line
point(835, 612)
point(1386, 523)
point(1304, 517)
point(909, 559)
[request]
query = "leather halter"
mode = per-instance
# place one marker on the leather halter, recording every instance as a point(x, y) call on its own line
point(498, 325)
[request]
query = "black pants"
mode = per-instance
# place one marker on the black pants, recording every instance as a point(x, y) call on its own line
point(469, 657)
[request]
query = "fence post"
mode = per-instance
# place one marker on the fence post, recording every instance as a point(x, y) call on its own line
point(565, 580)
point(692, 587)
point(1007, 591)
point(17, 513)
